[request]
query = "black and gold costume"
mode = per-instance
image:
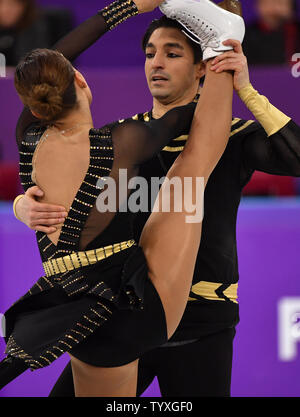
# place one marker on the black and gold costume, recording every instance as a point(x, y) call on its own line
point(197, 360)
point(85, 288)
point(216, 276)
point(95, 298)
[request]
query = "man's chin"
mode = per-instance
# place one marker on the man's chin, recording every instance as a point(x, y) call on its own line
point(160, 94)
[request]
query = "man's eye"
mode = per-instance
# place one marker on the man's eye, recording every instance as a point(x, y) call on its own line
point(172, 55)
point(149, 56)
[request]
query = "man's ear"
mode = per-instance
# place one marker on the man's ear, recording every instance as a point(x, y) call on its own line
point(201, 69)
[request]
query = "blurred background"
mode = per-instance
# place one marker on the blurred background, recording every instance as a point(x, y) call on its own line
point(267, 353)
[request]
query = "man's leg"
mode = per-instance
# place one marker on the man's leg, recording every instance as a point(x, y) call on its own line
point(147, 370)
point(198, 369)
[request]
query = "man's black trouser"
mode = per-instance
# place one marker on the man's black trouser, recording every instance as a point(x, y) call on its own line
point(198, 369)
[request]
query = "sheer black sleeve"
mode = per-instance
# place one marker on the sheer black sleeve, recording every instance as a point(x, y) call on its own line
point(136, 141)
point(278, 154)
point(82, 37)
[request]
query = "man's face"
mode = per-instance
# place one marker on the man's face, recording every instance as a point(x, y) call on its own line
point(169, 67)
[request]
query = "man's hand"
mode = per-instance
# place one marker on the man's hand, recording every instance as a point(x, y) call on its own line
point(145, 6)
point(233, 61)
point(39, 216)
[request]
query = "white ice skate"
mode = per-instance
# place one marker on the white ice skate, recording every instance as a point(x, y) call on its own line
point(206, 23)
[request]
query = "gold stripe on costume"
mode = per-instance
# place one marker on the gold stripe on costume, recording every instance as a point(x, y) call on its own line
point(135, 117)
point(231, 292)
point(182, 137)
point(235, 121)
point(173, 149)
point(84, 258)
point(185, 137)
point(248, 123)
point(208, 290)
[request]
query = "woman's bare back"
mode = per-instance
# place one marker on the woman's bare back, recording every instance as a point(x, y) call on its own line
point(60, 163)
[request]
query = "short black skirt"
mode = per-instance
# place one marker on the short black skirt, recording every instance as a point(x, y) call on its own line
point(95, 327)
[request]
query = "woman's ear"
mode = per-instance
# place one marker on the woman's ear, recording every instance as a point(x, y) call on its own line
point(36, 114)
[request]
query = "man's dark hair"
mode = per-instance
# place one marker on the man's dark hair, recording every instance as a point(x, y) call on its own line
point(165, 22)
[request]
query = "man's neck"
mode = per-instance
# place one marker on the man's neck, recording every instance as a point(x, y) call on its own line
point(161, 108)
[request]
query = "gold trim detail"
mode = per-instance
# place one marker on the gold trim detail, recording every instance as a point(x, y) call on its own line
point(208, 290)
point(173, 149)
point(84, 258)
point(248, 123)
point(185, 137)
point(146, 117)
point(182, 137)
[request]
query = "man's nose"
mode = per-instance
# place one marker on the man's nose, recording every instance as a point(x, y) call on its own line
point(158, 61)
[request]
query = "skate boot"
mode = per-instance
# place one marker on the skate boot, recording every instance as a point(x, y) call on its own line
point(206, 23)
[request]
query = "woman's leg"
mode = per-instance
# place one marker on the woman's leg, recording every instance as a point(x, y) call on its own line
point(92, 381)
point(170, 243)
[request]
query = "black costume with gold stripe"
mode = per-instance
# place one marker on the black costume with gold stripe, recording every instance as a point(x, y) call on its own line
point(59, 287)
point(96, 301)
point(213, 299)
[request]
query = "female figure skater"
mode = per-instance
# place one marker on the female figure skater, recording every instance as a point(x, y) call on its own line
point(103, 299)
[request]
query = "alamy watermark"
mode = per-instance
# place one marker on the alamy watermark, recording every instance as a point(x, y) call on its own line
point(2, 66)
point(176, 195)
point(289, 328)
point(296, 66)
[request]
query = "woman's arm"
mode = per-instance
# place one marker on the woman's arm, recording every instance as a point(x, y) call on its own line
point(92, 29)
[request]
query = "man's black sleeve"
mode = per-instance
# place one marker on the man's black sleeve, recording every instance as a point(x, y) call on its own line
point(278, 154)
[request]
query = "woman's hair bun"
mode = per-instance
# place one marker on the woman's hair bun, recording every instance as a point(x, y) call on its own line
point(44, 80)
point(46, 100)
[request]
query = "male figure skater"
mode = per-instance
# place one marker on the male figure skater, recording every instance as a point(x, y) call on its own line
point(197, 360)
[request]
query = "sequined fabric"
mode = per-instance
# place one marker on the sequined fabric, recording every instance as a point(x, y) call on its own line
point(117, 12)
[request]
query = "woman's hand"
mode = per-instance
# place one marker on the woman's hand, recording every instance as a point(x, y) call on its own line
point(145, 6)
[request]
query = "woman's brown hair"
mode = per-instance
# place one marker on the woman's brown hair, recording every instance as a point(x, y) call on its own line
point(44, 80)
